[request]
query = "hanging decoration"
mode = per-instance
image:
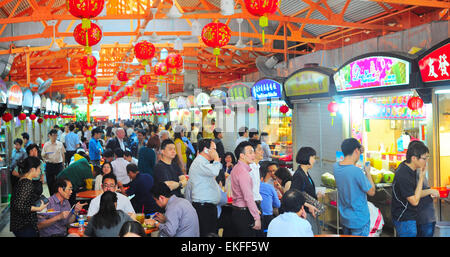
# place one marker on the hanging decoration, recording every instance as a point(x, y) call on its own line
point(40, 120)
point(32, 118)
point(261, 8)
point(122, 76)
point(333, 109)
point(128, 90)
point(115, 88)
point(227, 111)
point(251, 110)
point(414, 104)
point(216, 35)
point(174, 61)
point(144, 51)
point(284, 109)
point(161, 69)
point(22, 117)
point(87, 37)
point(88, 64)
point(143, 81)
point(85, 10)
point(7, 117)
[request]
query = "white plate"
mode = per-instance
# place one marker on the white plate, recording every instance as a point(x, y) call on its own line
point(44, 212)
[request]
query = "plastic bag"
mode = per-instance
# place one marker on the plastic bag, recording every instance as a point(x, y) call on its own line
point(376, 220)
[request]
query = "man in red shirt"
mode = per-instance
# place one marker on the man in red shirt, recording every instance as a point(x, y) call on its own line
point(246, 218)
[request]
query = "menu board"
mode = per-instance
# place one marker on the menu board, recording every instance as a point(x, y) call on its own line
point(266, 89)
point(391, 108)
point(307, 83)
point(36, 101)
point(3, 92)
point(27, 98)
point(434, 66)
point(239, 93)
point(173, 103)
point(372, 72)
point(15, 95)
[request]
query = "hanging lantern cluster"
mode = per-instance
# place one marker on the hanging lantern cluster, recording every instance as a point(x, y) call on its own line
point(261, 8)
point(144, 51)
point(143, 81)
point(216, 35)
point(86, 33)
point(414, 104)
point(88, 66)
point(333, 108)
point(161, 69)
point(174, 61)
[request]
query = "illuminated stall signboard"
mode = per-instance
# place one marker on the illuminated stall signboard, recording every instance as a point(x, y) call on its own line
point(218, 96)
point(434, 66)
point(391, 108)
point(202, 99)
point(239, 93)
point(27, 99)
point(173, 103)
point(15, 95)
point(307, 83)
point(266, 89)
point(372, 72)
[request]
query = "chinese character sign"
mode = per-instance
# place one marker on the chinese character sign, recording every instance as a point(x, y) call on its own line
point(372, 72)
point(435, 66)
point(266, 89)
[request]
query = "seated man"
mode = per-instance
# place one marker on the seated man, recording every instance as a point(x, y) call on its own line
point(180, 218)
point(120, 167)
point(129, 158)
point(77, 173)
point(57, 225)
point(292, 222)
point(108, 155)
point(109, 183)
point(140, 187)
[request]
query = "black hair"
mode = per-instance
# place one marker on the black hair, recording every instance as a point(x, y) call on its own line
point(108, 153)
point(71, 127)
point(165, 143)
point(205, 142)
point(132, 226)
point(110, 176)
point(110, 165)
point(241, 149)
point(127, 153)
point(292, 201)
point(284, 174)
point(118, 152)
point(168, 125)
point(416, 148)
point(30, 147)
point(96, 131)
point(61, 182)
point(264, 168)
point(132, 168)
point(233, 159)
point(25, 136)
point(264, 134)
point(177, 135)
point(19, 141)
point(107, 215)
point(83, 139)
point(304, 154)
point(241, 133)
point(254, 142)
point(52, 132)
point(27, 164)
point(159, 189)
point(349, 145)
point(252, 133)
point(216, 133)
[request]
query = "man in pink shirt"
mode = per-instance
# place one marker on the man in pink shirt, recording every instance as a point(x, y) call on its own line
point(246, 218)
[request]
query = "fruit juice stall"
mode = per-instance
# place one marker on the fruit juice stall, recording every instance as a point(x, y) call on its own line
point(268, 93)
point(379, 92)
point(204, 110)
point(435, 76)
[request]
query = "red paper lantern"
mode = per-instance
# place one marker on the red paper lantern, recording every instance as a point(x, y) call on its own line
point(227, 111)
point(88, 62)
point(251, 110)
point(91, 81)
point(174, 61)
point(197, 112)
point(333, 107)
point(216, 35)
point(115, 88)
point(40, 120)
point(144, 80)
point(144, 51)
point(284, 109)
point(22, 116)
point(261, 8)
point(46, 117)
point(32, 117)
point(128, 90)
point(415, 103)
point(122, 76)
point(87, 37)
point(7, 117)
point(85, 9)
point(161, 69)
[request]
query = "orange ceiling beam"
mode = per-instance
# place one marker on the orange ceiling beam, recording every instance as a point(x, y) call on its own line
point(424, 3)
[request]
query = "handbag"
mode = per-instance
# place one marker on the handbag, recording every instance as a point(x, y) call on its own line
point(314, 202)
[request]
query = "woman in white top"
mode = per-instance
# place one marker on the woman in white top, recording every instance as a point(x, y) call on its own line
point(106, 169)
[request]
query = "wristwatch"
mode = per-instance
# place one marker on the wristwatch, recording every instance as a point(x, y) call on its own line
point(181, 184)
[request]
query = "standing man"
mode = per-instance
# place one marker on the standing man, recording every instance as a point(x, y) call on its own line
point(95, 148)
point(218, 141)
point(255, 174)
point(119, 166)
point(205, 192)
point(118, 141)
point(353, 186)
point(243, 136)
point(407, 190)
point(53, 154)
point(245, 216)
point(72, 143)
point(253, 134)
point(26, 140)
point(136, 145)
point(167, 170)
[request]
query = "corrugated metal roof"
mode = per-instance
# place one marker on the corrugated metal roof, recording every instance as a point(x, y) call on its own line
point(290, 7)
point(359, 10)
point(8, 8)
point(189, 3)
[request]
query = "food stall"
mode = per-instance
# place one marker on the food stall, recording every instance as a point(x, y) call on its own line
point(218, 101)
point(48, 111)
point(27, 108)
point(15, 99)
point(206, 113)
point(241, 102)
point(268, 93)
point(36, 110)
point(180, 112)
point(374, 96)
point(434, 73)
point(160, 113)
point(5, 140)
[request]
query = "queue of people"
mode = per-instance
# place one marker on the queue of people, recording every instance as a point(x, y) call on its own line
point(183, 185)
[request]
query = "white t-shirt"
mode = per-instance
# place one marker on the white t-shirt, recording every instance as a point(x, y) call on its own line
point(120, 170)
point(123, 203)
point(256, 180)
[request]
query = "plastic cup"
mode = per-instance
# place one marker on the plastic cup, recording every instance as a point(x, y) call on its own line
point(140, 217)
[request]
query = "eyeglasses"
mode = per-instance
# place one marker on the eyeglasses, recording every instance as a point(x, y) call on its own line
point(109, 185)
point(68, 189)
point(425, 159)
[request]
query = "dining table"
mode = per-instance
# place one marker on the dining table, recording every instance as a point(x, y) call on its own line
point(88, 194)
point(80, 233)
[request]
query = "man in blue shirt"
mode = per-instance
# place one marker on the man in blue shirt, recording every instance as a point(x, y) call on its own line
point(353, 186)
point(205, 192)
point(95, 149)
point(26, 140)
point(292, 222)
point(140, 186)
point(269, 198)
point(72, 142)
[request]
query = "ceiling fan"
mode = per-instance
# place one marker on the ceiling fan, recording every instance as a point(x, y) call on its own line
point(69, 74)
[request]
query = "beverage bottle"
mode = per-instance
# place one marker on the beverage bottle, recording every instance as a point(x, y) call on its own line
point(81, 220)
